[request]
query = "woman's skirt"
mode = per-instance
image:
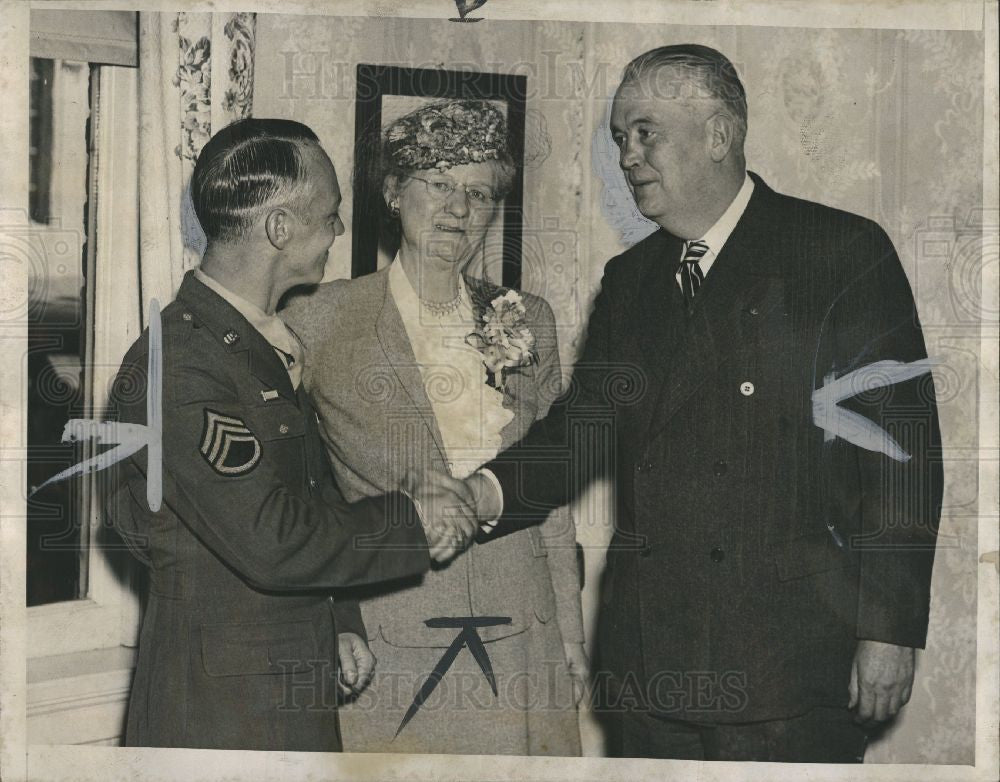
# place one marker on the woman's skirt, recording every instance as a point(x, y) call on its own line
point(532, 713)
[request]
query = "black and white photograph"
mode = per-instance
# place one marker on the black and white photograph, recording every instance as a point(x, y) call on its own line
point(494, 389)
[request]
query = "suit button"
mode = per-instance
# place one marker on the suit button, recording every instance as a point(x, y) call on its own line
point(746, 388)
point(283, 428)
point(719, 468)
point(645, 551)
point(717, 554)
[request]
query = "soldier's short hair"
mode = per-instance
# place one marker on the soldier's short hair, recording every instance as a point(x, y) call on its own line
point(244, 168)
point(706, 69)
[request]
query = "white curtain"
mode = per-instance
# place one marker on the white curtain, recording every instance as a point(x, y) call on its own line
point(195, 77)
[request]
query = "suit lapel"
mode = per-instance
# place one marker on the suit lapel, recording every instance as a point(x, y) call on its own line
point(659, 321)
point(735, 292)
point(656, 329)
point(391, 334)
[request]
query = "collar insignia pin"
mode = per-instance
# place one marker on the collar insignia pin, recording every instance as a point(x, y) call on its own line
point(269, 394)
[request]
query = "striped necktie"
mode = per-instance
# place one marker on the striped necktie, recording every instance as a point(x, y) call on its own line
point(691, 274)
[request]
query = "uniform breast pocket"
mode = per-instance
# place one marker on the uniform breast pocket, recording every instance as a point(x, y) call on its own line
point(281, 429)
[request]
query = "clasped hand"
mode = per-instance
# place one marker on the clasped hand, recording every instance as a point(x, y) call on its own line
point(448, 510)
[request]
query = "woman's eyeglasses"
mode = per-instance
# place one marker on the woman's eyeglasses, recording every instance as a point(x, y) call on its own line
point(442, 188)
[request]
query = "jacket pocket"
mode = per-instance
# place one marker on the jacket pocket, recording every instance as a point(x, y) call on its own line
point(811, 555)
point(278, 420)
point(248, 648)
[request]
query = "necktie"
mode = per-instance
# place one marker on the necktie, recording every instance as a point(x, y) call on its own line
point(293, 360)
point(691, 274)
point(288, 346)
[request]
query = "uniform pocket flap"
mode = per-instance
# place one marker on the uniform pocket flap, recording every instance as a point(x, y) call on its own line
point(244, 648)
point(276, 421)
point(810, 555)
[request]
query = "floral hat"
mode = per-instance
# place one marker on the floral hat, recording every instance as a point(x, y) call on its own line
point(447, 133)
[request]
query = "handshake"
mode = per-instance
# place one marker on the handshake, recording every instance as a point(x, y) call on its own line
point(451, 510)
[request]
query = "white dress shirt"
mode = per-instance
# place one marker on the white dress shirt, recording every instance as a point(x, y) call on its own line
point(716, 236)
point(271, 327)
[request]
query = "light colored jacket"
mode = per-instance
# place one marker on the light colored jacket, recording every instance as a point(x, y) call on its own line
point(377, 422)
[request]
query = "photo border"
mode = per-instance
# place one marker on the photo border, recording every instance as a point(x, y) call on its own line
point(19, 761)
point(375, 81)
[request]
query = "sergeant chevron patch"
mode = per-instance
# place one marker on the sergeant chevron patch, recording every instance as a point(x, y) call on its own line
point(228, 445)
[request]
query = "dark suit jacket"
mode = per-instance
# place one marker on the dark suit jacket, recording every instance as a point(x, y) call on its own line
point(238, 648)
point(728, 596)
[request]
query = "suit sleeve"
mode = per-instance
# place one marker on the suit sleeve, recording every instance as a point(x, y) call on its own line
point(545, 469)
point(347, 616)
point(558, 530)
point(900, 500)
point(273, 538)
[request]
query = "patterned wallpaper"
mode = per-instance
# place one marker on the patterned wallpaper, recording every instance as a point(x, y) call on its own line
point(884, 123)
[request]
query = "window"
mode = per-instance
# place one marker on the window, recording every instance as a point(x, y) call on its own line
point(83, 311)
point(81, 588)
point(59, 112)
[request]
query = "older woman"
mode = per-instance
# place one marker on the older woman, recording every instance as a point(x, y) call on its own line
point(416, 367)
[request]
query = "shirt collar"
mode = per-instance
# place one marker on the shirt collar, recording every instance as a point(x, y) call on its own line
point(271, 327)
point(716, 236)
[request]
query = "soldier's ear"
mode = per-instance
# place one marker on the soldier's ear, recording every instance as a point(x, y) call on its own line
point(278, 226)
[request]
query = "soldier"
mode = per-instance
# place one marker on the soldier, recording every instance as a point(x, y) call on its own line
point(242, 637)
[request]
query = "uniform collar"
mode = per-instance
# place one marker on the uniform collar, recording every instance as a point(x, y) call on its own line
point(230, 327)
point(271, 327)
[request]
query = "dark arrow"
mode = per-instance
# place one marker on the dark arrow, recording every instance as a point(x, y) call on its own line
point(466, 7)
point(467, 637)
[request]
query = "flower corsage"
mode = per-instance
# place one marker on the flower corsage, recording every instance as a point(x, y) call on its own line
point(501, 335)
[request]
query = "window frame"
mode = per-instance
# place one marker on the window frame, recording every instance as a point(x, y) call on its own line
point(109, 613)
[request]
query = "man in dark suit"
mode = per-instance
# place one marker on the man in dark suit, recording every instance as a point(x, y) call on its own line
point(768, 579)
point(243, 640)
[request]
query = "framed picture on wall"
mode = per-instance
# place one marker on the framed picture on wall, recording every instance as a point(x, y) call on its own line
point(387, 92)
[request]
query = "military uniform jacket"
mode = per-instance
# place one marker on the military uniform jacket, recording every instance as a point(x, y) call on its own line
point(238, 645)
point(752, 548)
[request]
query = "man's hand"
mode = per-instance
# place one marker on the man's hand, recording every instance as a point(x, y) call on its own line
point(881, 680)
point(579, 669)
point(446, 509)
point(356, 663)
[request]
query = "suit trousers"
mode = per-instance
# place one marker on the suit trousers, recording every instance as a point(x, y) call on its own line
point(821, 735)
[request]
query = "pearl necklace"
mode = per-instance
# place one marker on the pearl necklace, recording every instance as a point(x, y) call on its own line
point(440, 309)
